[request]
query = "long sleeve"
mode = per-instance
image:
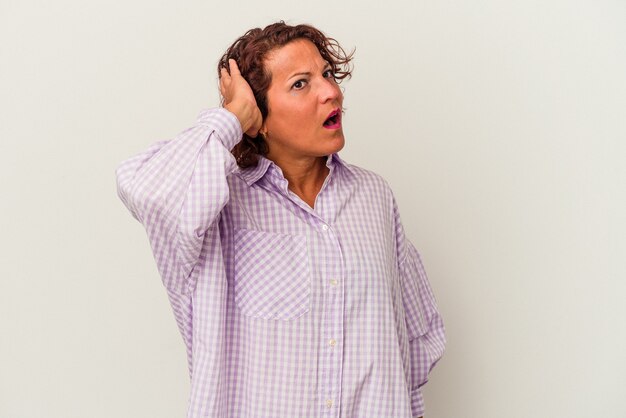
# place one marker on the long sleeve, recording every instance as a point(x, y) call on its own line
point(426, 331)
point(177, 189)
point(424, 322)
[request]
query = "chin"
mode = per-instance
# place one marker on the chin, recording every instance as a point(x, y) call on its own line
point(335, 147)
point(339, 145)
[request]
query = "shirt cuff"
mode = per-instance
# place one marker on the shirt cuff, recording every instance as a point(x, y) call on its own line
point(417, 403)
point(225, 124)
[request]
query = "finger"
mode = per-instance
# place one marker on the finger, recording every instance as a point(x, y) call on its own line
point(225, 80)
point(224, 74)
point(234, 68)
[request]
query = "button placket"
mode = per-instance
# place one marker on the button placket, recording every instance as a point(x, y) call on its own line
point(332, 321)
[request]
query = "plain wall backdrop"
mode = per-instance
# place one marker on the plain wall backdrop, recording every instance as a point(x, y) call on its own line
point(500, 125)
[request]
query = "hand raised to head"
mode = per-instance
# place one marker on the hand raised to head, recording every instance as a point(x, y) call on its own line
point(239, 99)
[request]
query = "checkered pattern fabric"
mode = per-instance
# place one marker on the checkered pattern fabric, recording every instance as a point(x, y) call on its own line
point(286, 310)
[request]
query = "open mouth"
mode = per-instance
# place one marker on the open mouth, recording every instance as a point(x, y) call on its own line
point(333, 120)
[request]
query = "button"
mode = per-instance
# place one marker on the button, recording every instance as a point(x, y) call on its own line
point(325, 227)
point(329, 403)
point(332, 342)
point(333, 282)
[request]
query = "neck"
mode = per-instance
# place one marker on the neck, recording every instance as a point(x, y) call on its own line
point(305, 176)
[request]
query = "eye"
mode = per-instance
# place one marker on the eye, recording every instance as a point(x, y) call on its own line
point(298, 85)
point(328, 74)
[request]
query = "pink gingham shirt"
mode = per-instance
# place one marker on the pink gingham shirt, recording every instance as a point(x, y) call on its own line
point(286, 311)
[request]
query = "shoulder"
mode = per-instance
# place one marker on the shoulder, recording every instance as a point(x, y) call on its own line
point(374, 193)
point(367, 180)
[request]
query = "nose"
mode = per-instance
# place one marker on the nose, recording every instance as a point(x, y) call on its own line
point(329, 90)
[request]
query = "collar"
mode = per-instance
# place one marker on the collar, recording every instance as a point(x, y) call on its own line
point(253, 174)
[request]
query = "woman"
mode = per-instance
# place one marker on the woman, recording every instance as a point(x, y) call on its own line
point(294, 287)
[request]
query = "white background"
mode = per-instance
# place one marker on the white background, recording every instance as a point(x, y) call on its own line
point(501, 126)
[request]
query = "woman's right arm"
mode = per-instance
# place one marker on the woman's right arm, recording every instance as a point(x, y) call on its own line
point(177, 189)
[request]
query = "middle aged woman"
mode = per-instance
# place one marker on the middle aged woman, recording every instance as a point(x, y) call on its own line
point(293, 284)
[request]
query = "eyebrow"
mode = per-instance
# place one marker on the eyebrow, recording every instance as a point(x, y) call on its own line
point(326, 67)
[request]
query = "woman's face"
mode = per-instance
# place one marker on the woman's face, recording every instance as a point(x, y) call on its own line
point(302, 96)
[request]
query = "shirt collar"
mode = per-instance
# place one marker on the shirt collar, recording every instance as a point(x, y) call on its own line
point(253, 174)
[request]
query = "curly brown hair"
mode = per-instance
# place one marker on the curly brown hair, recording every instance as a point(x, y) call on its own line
point(250, 51)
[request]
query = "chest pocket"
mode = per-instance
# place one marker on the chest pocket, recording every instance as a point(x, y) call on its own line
point(272, 276)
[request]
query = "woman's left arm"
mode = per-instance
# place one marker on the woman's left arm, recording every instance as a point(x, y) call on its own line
point(427, 338)
point(424, 322)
